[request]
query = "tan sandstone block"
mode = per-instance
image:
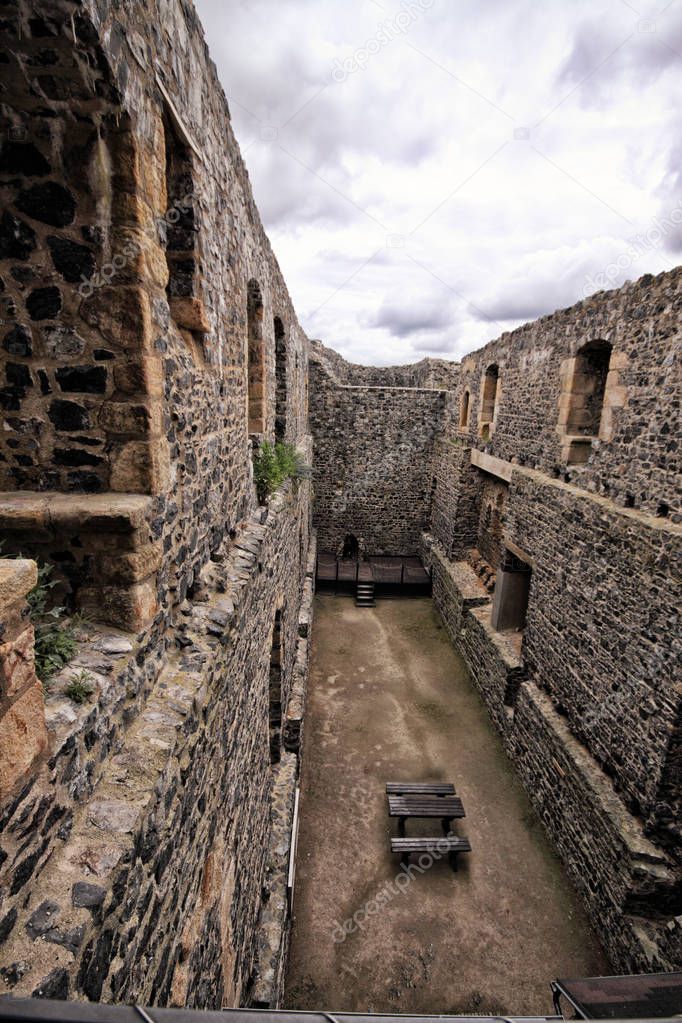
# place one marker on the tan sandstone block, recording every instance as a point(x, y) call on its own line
point(17, 663)
point(132, 418)
point(123, 317)
point(23, 737)
point(129, 210)
point(127, 607)
point(17, 577)
point(140, 376)
point(145, 258)
point(141, 467)
point(190, 313)
point(132, 566)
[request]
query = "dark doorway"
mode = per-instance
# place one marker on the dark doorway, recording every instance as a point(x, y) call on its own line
point(351, 547)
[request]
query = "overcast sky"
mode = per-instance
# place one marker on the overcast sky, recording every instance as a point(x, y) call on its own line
point(433, 172)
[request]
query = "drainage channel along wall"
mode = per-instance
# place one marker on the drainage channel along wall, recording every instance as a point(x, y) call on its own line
point(148, 345)
point(554, 538)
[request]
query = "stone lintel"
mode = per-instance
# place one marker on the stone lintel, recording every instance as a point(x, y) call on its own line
point(492, 465)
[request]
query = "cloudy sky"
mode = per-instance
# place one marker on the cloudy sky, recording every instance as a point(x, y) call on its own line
point(433, 172)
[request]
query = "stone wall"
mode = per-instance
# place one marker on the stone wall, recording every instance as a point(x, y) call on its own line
point(372, 468)
point(121, 383)
point(635, 459)
point(136, 840)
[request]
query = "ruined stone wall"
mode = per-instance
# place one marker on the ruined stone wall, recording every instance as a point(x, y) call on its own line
point(435, 374)
point(135, 851)
point(372, 468)
point(133, 378)
point(636, 461)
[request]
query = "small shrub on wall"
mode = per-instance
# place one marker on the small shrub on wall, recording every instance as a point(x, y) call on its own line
point(273, 464)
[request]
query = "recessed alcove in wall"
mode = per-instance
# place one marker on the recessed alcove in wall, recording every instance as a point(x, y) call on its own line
point(179, 229)
point(489, 401)
point(464, 411)
point(590, 391)
point(275, 690)
point(280, 380)
point(512, 592)
point(255, 358)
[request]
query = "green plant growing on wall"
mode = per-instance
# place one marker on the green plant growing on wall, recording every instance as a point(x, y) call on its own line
point(55, 642)
point(80, 687)
point(274, 464)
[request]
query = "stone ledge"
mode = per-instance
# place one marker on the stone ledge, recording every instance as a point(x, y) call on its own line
point(505, 643)
point(492, 465)
point(628, 828)
point(117, 513)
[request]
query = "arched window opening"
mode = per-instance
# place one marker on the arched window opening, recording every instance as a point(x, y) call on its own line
point(280, 380)
point(275, 693)
point(464, 411)
point(256, 359)
point(489, 400)
point(589, 386)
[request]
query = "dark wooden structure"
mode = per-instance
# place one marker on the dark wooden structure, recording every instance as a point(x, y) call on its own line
point(387, 576)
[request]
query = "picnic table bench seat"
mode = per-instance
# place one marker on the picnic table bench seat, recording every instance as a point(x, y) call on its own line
point(452, 845)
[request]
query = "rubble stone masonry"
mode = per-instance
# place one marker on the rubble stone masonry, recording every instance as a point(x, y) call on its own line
point(141, 832)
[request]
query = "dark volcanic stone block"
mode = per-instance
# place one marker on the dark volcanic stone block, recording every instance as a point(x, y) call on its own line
point(68, 415)
point(22, 158)
point(87, 895)
point(18, 342)
point(44, 303)
point(48, 202)
point(55, 985)
point(18, 374)
point(43, 919)
point(82, 379)
point(88, 482)
point(73, 261)
point(17, 239)
point(74, 457)
point(7, 923)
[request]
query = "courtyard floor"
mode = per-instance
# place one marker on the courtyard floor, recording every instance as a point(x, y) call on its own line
point(390, 699)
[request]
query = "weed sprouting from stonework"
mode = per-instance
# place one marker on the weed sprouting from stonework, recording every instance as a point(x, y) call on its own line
point(80, 688)
point(273, 464)
point(55, 642)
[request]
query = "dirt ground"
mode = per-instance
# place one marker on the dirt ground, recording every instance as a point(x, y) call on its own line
point(390, 699)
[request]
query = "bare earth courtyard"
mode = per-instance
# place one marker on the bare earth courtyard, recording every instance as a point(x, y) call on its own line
point(390, 699)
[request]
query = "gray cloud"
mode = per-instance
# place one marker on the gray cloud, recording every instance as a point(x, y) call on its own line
point(488, 165)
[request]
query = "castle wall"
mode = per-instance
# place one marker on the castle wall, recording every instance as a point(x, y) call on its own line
point(136, 852)
point(635, 458)
point(372, 468)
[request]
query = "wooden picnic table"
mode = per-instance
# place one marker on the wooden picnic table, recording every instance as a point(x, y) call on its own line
point(447, 808)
